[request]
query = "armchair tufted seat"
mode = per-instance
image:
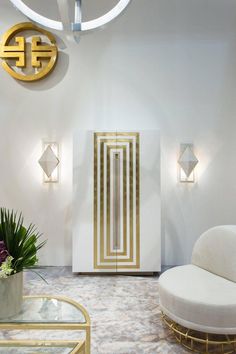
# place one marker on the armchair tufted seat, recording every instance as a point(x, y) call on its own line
point(202, 295)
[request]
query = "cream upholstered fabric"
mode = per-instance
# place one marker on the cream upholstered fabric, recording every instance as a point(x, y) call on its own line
point(202, 295)
point(215, 251)
point(198, 299)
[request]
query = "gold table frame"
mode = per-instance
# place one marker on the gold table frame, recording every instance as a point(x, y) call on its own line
point(78, 347)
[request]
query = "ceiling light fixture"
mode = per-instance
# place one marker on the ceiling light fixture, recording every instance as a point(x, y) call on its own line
point(65, 24)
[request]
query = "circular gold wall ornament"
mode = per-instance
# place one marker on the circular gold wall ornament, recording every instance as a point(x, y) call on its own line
point(18, 55)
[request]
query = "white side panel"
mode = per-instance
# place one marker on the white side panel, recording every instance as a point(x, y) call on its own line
point(83, 202)
point(150, 201)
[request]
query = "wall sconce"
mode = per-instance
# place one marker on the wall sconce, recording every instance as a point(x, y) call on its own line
point(49, 162)
point(187, 163)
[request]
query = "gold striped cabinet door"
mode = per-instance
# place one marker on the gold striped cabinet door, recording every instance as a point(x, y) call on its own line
point(116, 223)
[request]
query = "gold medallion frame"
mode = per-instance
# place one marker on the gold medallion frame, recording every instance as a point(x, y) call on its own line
point(199, 342)
point(17, 52)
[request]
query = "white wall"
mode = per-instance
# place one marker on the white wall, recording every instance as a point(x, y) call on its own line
point(165, 64)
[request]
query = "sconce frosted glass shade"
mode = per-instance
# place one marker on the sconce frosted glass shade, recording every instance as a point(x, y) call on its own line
point(188, 160)
point(48, 161)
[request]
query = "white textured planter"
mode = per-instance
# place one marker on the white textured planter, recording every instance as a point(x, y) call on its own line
point(11, 295)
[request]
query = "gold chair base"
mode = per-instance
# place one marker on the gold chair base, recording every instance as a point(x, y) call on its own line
point(199, 342)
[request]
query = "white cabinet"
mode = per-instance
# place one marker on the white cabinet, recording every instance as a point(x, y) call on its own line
point(116, 223)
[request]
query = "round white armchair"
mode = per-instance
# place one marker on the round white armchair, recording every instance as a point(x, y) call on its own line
point(201, 296)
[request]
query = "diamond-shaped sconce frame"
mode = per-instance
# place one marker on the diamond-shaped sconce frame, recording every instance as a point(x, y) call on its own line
point(187, 163)
point(49, 162)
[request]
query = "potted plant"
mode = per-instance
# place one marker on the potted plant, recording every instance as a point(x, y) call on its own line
point(18, 251)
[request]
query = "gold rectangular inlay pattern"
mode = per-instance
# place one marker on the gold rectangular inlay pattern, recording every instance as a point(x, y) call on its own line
point(116, 201)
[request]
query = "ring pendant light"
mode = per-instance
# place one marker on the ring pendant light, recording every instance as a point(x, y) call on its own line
point(65, 24)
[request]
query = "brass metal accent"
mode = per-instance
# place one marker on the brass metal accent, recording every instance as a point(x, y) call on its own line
point(109, 143)
point(116, 202)
point(80, 346)
point(124, 148)
point(116, 253)
point(199, 342)
point(131, 198)
point(39, 52)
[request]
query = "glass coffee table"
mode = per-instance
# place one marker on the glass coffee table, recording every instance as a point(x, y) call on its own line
point(47, 313)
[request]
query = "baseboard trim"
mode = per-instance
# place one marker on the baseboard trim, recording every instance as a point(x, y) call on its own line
point(118, 273)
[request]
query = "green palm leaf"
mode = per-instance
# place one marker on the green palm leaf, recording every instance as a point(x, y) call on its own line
point(22, 243)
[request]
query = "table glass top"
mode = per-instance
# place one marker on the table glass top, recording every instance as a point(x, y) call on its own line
point(26, 350)
point(44, 310)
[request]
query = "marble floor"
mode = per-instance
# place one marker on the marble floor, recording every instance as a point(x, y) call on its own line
point(124, 310)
